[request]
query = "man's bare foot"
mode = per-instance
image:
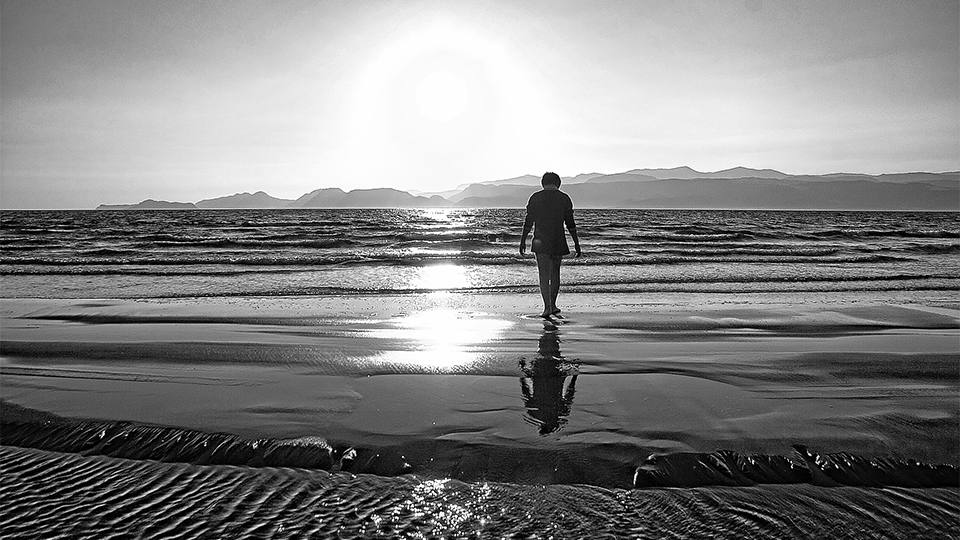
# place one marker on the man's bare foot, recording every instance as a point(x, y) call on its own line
point(555, 311)
point(546, 314)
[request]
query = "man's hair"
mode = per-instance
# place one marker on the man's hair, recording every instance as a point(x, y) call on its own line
point(550, 179)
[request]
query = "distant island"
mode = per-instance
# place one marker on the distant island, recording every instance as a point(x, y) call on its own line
point(675, 188)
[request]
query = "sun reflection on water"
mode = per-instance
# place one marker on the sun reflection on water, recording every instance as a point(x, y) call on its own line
point(442, 338)
point(433, 499)
point(442, 276)
point(439, 214)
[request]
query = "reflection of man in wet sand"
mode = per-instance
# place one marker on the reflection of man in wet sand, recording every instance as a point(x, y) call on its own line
point(548, 404)
point(549, 209)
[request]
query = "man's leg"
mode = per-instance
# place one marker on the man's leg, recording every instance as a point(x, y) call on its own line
point(545, 267)
point(555, 283)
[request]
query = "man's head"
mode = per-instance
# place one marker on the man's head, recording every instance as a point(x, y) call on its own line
point(550, 179)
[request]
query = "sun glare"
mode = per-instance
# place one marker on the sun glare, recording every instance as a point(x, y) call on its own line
point(442, 338)
point(441, 96)
point(442, 277)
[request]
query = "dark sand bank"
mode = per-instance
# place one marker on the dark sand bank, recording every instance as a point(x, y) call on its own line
point(599, 465)
point(429, 391)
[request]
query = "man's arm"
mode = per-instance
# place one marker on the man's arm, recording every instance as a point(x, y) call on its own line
point(572, 227)
point(527, 225)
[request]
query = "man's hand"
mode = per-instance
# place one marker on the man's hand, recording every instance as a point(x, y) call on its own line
point(523, 248)
point(577, 256)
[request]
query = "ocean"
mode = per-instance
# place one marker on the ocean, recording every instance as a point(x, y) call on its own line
point(160, 254)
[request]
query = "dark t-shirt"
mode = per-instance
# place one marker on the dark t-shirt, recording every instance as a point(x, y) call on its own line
point(548, 210)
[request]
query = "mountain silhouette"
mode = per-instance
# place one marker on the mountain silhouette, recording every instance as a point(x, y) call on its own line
point(149, 204)
point(366, 198)
point(244, 200)
point(688, 173)
point(679, 187)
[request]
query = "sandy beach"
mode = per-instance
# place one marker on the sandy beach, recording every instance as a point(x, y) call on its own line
point(619, 393)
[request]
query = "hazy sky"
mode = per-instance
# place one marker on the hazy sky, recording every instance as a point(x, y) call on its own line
point(118, 101)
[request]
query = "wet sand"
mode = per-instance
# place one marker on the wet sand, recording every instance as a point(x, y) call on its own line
point(450, 387)
point(49, 494)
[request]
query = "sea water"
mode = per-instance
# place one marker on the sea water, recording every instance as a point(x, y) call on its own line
point(157, 254)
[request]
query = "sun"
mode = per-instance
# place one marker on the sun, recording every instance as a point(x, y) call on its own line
point(441, 96)
point(437, 100)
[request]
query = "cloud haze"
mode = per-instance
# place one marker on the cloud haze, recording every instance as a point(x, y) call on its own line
point(125, 100)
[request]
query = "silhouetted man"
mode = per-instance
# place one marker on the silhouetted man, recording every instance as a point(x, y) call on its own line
point(548, 210)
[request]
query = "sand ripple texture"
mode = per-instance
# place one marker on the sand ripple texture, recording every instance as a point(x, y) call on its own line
point(55, 495)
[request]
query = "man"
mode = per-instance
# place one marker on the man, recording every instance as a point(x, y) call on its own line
point(548, 209)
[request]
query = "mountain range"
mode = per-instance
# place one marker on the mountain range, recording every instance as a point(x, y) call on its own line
point(679, 187)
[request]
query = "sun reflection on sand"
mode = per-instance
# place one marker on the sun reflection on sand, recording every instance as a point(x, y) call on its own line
point(441, 338)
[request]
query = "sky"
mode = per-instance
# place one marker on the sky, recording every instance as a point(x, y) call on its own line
point(120, 101)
